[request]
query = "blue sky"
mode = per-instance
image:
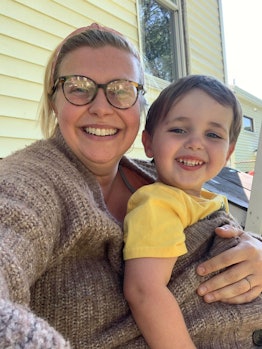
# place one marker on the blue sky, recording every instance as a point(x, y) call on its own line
point(243, 41)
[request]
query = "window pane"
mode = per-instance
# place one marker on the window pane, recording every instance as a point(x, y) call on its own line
point(157, 39)
point(248, 124)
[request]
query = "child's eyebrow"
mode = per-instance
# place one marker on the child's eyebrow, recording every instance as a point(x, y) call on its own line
point(177, 118)
point(218, 125)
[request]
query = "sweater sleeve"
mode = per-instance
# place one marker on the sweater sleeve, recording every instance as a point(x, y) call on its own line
point(19, 328)
point(29, 226)
point(28, 231)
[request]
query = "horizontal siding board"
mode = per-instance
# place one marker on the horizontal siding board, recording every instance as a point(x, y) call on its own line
point(109, 9)
point(108, 14)
point(206, 11)
point(204, 66)
point(202, 23)
point(210, 40)
point(20, 89)
point(115, 5)
point(25, 32)
point(21, 69)
point(204, 39)
point(18, 108)
point(39, 15)
point(73, 14)
point(19, 128)
point(248, 141)
point(23, 50)
point(43, 16)
point(202, 49)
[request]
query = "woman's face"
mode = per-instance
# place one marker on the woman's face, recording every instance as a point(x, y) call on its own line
point(98, 133)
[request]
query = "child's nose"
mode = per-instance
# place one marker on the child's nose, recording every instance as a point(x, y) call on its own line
point(194, 142)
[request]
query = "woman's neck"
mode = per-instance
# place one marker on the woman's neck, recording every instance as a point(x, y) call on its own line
point(116, 195)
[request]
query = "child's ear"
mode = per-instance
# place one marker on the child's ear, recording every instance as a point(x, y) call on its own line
point(230, 150)
point(147, 143)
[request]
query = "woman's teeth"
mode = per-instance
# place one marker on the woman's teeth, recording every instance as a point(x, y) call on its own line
point(101, 131)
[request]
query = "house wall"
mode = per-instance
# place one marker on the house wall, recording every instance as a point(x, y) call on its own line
point(30, 30)
point(245, 155)
point(204, 38)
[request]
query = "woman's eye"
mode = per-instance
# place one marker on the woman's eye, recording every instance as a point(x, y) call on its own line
point(76, 89)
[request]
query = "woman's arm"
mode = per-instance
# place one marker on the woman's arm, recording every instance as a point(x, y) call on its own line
point(19, 328)
point(241, 282)
point(29, 226)
point(153, 306)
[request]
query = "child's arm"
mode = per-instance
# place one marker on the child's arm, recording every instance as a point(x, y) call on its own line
point(153, 306)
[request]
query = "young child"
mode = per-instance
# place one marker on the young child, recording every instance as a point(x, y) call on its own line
point(190, 132)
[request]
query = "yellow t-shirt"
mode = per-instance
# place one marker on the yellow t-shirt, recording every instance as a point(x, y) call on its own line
point(157, 215)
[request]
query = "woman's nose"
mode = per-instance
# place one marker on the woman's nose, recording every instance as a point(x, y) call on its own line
point(100, 105)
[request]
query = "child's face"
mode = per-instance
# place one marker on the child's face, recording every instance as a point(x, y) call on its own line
point(191, 144)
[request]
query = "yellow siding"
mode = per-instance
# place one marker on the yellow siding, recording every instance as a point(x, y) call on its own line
point(30, 30)
point(245, 156)
point(203, 35)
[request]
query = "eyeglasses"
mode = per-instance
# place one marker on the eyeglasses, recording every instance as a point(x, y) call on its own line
point(81, 90)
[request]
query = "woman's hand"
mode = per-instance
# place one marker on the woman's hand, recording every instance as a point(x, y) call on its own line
point(242, 281)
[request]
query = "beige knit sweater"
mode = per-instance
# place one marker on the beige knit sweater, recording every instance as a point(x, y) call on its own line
point(61, 262)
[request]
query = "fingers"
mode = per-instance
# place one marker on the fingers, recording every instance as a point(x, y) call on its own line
point(249, 250)
point(228, 231)
point(247, 279)
point(240, 280)
point(225, 259)
point(246, 297)
point(237, 293)
point(226, 284)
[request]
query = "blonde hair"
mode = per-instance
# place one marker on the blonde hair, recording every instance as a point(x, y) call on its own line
point(95, 36)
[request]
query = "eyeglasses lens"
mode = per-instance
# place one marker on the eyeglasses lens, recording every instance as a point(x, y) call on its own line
point(121, 93)
point(80, 90)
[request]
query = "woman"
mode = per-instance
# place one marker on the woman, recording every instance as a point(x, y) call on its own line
point(63, 201)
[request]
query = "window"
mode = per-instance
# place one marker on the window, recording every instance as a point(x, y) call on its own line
point(162, 41)
point(248, 123)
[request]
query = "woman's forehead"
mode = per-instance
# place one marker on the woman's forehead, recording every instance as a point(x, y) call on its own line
point(106, 58)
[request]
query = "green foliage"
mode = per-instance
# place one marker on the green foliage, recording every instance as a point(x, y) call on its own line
point(157, 23)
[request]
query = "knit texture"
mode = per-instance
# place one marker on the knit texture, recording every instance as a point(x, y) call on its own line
point(60, 253)
point(216, 325)
point(61, 269)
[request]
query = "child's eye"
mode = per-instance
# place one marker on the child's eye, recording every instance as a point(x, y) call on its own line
point(213, 135)
point(177, 130)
